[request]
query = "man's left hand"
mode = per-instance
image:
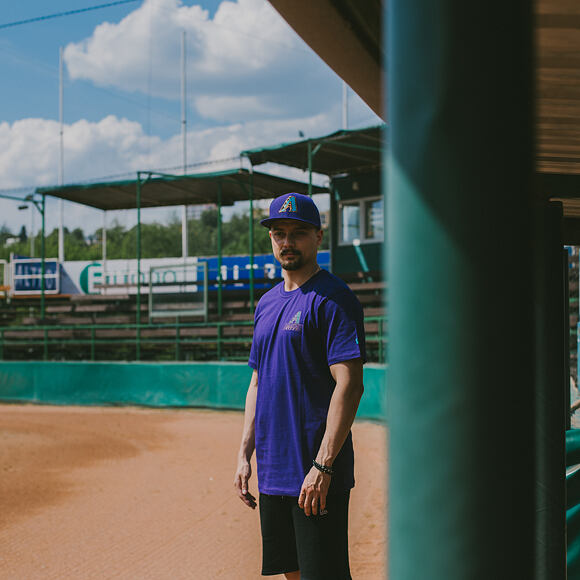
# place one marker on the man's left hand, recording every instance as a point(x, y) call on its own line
point(313, 492)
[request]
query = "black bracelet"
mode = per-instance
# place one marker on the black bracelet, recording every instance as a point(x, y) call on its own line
point(323, 468)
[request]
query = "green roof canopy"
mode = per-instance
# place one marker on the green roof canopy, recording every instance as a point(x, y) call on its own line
point(355, 151)
point(159, 190)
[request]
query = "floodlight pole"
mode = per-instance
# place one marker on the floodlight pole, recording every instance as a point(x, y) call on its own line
point(184, 224)
point(61, 159)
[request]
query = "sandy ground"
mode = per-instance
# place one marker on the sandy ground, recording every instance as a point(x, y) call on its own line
point(138, 494)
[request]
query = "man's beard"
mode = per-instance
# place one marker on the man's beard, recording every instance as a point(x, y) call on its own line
point(295, 264)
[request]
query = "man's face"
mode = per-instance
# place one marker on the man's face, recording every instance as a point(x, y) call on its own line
point(295, 244)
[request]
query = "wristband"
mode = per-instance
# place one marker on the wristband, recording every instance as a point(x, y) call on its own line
point(324, 468)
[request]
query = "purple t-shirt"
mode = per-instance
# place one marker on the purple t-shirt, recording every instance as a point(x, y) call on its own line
point(297, 335)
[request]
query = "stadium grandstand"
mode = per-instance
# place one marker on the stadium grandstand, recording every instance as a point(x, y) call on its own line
point(195, 308)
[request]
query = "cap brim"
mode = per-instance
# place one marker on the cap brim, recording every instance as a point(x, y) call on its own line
point(269, 221)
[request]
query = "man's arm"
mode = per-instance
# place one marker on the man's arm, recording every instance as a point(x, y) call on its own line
point(341, 413)
point(247, 446)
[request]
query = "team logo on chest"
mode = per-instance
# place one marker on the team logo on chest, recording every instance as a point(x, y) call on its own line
point(294, 324)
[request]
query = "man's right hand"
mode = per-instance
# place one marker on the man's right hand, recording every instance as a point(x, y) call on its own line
point(243, 474)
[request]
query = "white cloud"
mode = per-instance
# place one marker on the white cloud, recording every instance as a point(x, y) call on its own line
point(29, 155)
point(246, 69)
point(223, 108)
point(245, 63)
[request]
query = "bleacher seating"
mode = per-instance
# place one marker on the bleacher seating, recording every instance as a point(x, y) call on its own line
point(104, 327)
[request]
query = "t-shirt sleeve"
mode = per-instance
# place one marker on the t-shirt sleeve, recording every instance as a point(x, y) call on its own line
point(343, 328)
point(253, 359)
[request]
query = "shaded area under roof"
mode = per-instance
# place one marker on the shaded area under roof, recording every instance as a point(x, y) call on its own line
point(354, 151)
point(158, 190)
point(347, 35)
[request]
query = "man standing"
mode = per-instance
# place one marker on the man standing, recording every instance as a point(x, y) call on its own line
point(307, 354)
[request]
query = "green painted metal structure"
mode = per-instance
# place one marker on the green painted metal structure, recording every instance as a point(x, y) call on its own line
point(214, 385)
point(154, 189)
point(58, 338)
point(461, 329)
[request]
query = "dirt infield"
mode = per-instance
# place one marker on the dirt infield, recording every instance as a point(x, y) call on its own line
point(138, 494)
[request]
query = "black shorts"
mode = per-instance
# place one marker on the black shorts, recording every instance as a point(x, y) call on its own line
point(315, 545)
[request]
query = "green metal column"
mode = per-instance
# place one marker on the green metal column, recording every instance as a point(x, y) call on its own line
point(251, 242)
point(43, 260)
point(552, 382)
point(219, 241)
point(138, 316)
point(461, 349)
point(309, 168)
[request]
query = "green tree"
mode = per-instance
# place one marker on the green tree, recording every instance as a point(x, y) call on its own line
point(157, 241)
point(237, 236)
point(202, 234)
point(5, 233)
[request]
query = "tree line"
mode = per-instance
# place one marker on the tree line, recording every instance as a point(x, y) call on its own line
point(157, 240)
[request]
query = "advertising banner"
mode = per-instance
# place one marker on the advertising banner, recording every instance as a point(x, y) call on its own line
point(120, 276)
point(27, 276)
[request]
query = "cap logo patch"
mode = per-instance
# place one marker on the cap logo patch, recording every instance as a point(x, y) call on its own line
point(288, 205)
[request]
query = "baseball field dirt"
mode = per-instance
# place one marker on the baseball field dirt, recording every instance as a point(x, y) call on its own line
point(146, 494)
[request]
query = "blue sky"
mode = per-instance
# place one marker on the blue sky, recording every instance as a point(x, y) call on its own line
point(251, 81)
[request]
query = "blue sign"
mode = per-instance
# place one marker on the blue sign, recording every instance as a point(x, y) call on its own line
point(235, 270)
point(27, 276)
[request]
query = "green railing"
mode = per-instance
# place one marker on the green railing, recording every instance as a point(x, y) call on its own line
point(217, 339)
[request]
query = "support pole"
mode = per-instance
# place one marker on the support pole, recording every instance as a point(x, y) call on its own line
point(311, 153)
point(138, 316)
point(219, 240)
point(251, 241)
point(43, 261)
point(461, 348)
point(552, 382)
point(344, 106)
point(104, 250)
point(184, 224)
point(31, 236)
point(61, 159)
point(310, 168)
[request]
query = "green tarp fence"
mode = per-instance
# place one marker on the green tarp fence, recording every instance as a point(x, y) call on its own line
point(218, 385)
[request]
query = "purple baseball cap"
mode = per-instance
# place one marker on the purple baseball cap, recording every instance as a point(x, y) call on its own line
point(293, 206)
